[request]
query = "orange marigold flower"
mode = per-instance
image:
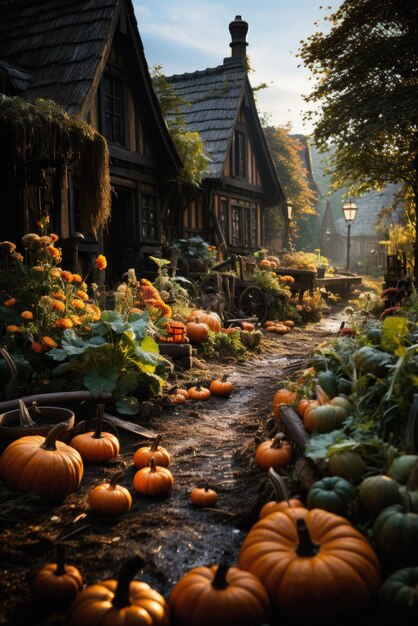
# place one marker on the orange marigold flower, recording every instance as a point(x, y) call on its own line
point(58, 306)
point(63, 323)
point(27, 315)
point(13, 328)
point(55, 273)
point(149, 293)
point(101, 262)
point(59, 295)
point(53, 252)
point(67, 276)
point(87, 328)
point(82, 295)
point(77, 278)
point(78, 304)
point(8, 246)
point(10, 302)
point(45, 240)
point(49, 342)
point(37, 268)
point(135, 310)
point(145, 282)
point(76, 320)
point(37, 347)
point(16, 256)
point(53, 237)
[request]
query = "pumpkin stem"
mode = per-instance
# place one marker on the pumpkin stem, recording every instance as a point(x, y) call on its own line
point(278, 440)
point(224, 378)
point(280, 488)
point(52, 436)
point(306, 547)
point(152, 465)
point(126, 574)
point(24, 416)
point(114, 479)
point(60, 557)
point(321, 396)
point(219, 580)
point(156, 443)
point(99, 421)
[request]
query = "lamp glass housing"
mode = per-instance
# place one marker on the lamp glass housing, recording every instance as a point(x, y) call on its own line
point(350, 211)
point(289, 210)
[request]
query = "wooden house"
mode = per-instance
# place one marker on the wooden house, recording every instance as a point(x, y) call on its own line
point(86, 56)
point(240, 180)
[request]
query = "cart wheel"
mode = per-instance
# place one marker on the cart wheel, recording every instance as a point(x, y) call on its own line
point(252, 303)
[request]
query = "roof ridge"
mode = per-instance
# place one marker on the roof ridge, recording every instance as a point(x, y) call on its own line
point(206, 72)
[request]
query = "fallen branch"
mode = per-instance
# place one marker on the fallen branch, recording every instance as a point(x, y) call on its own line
point(293, 428)
point(61, 397)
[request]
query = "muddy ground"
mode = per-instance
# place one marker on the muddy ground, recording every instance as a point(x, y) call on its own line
point(210, 442)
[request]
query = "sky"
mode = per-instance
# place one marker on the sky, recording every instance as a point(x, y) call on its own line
point(189, 35)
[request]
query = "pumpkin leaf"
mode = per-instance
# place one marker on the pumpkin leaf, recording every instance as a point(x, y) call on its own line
point(317, 447)
point(128, 405)
point(394, 332)
point(126, 383)
point(102, 381)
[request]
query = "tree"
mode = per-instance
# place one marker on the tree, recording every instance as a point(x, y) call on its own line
point(366, 73)
point(293, 177)
point(188, 144)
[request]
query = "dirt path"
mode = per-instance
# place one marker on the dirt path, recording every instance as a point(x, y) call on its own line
point(211, 442)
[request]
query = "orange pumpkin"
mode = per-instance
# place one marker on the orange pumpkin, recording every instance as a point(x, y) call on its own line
point(197, 331)
point(57, 584)
point(221, 387)
point(199, 393)
point(143, 455)
point(43, 465)
point(109, 498)
point(265, 264)
point(289, 323)
point(121, 602)
point(203, 497)
point(97, 446)
point(210, 318)
point(312, 563)
point(274, 453)
point(231, 330)
point(218, 596)
point(247, 326)
point(282, 396)
point(154, 480)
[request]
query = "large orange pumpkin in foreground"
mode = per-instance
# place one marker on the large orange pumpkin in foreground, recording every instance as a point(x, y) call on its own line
point(312, 563)
point(218, 596)
point(121, 602)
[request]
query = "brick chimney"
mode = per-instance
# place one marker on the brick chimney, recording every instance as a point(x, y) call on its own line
point(238, 29)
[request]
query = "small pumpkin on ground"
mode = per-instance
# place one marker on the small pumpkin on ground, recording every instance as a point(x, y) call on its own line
point(219, 596)
point(123, 602)
point(57, 584)
point(203, 497)
point(247, 326)
point(143, 455)
point(289, 323)
point(109, 498)
point(378, 492)
point(43, 465)
point(398, 595)
point(333, 494)
point(282, 396)
point(176, 395)
point(275, 453)
point(312, 563)
point(329, 415)
point(199, 393)
point(221, 387)
point(197, 331)
point(348, 464)
point(282, 498)
point(396, 532)
point(153, 481)
point(97, 446)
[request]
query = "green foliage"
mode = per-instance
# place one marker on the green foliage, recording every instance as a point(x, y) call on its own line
point(275, 292)
point(221, 343)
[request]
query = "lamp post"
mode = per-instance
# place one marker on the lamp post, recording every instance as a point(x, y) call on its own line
point(289, 207)
point(350, 212)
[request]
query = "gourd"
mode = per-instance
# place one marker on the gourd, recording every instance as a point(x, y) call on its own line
point(197, 331)
point(222, 387)
point(329, 415)
point(274, 453)
point(143, 455)
point(48, 467)
point(348, 464)
point(153, 481)
point(97, 446)
point(396, 531)
point(199, 393)
point(109, 498)
point(312, 563)
point(398, 595)
point(282, 396)
point(378, 492)
point(283, 500)
point(57, 584)
point(124, 602)
point(203, 497)
point(218, 596)
point(369, 360)
point(401, 467)
point(333, 494)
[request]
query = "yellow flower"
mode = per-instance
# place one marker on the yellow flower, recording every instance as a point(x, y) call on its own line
point(26, 315)
point(58, 305)
point(64, 322)
point(55, 273)
point(13, 329)
point(49, 342)
point(82, 295)
point(101, 262)
point(77, 304)
point(76, 320)
point(10, 302)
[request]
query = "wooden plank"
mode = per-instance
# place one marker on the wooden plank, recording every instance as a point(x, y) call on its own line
point(175, 350)
point(130, 426)
point(293, 428)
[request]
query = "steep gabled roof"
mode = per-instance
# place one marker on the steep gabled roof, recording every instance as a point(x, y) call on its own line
point(213, 99)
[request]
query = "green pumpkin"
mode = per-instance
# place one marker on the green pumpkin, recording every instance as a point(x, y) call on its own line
point(378, 492)
point(396, 535)
point(369, 360)
point(399, 595)
point(344, 386)
point(327, 417)
point(401, 467)
point(328, 382)
point(333, 494)
point(374, 335)
point(348, 464)
point(319, 362)
point(412, 495)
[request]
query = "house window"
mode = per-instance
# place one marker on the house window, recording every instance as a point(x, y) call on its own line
point(114, 109)
point(149, 216)
point(236, 223)
point(240, 154)
point(223, 217)
point(244, 226)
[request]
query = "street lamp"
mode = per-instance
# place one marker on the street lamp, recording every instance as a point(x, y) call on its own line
point(289, 207)
point(350, 212)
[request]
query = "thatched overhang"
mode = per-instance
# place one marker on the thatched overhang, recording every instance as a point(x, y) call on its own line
point(42, 132)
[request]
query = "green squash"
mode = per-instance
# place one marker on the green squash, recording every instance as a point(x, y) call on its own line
point(319, 362)
point(328, 416)
point(378, 492)
point(333, 494)
point(348, 465)
point(328, 382)
point(396, 535)
point(344, 386)
point(412, 495)
point(369, 360)
point(401, 467)
point(374, 335)
point(399, 595)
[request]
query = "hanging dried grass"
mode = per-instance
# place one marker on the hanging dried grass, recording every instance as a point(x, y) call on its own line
point(43, 131)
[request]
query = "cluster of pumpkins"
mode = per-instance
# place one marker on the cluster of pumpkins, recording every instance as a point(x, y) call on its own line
point(218, 387)
point(276, 326)
point(200, 322)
